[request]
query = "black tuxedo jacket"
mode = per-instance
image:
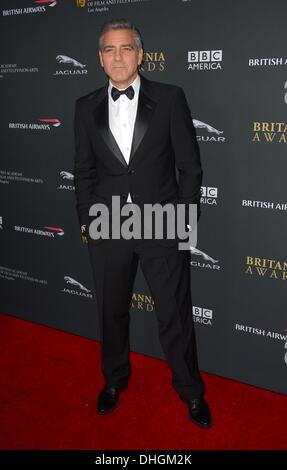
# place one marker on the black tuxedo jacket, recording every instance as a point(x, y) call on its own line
point(164, 139)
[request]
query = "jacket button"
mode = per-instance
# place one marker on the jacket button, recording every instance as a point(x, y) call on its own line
point(131, 172)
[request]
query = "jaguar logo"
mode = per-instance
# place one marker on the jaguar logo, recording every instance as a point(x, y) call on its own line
point(64, 59)
point(195, 251)
point(67, 175)
point(203, 125)
point(72, 281)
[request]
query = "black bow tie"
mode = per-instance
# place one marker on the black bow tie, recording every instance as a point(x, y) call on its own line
point(117, 93)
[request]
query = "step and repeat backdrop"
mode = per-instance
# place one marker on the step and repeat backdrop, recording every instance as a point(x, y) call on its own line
point(230, 58)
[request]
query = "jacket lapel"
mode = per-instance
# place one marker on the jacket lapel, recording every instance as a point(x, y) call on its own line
point(145, 110)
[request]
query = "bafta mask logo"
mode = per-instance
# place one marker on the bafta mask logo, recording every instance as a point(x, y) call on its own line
point(80, 3)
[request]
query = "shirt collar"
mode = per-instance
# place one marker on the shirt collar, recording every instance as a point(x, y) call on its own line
point(135, 84)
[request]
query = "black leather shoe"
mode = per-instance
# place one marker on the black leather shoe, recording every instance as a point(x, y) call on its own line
point(108, 399)
point(199, 412)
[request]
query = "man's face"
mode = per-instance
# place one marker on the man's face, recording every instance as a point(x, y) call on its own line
point(120, 57)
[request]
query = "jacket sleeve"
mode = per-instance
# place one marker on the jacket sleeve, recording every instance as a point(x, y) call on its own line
point(186, 152)
point(84, 166)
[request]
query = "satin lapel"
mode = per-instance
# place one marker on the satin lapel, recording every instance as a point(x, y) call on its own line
point(146, 107)
point(101, 113)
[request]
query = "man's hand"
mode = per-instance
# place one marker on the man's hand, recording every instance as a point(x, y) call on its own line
point(84, 233)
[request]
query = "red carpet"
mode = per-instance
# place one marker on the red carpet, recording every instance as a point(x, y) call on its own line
point(49, 385)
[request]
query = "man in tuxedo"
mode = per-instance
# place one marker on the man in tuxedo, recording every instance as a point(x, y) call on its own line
point(130, 136)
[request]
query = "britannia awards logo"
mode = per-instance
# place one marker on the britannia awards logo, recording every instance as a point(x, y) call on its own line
point(153, 61)
point(142, 302)
point(266, 268)
point(269, 132)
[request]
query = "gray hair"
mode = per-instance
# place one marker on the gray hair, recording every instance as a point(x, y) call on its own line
point(121, 23)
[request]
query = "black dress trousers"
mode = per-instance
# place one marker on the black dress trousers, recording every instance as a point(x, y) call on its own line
point(167, 272)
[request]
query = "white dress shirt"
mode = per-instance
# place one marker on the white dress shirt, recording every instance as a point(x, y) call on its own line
point(122, 116)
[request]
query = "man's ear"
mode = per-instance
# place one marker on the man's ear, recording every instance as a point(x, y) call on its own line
point(101, 59)
point(140, 58)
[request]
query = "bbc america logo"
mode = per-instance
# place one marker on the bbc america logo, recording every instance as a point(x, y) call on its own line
point(202, 312)
point(205, 56)
point(208, 195)
point(202, 315)
point(204, 60)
